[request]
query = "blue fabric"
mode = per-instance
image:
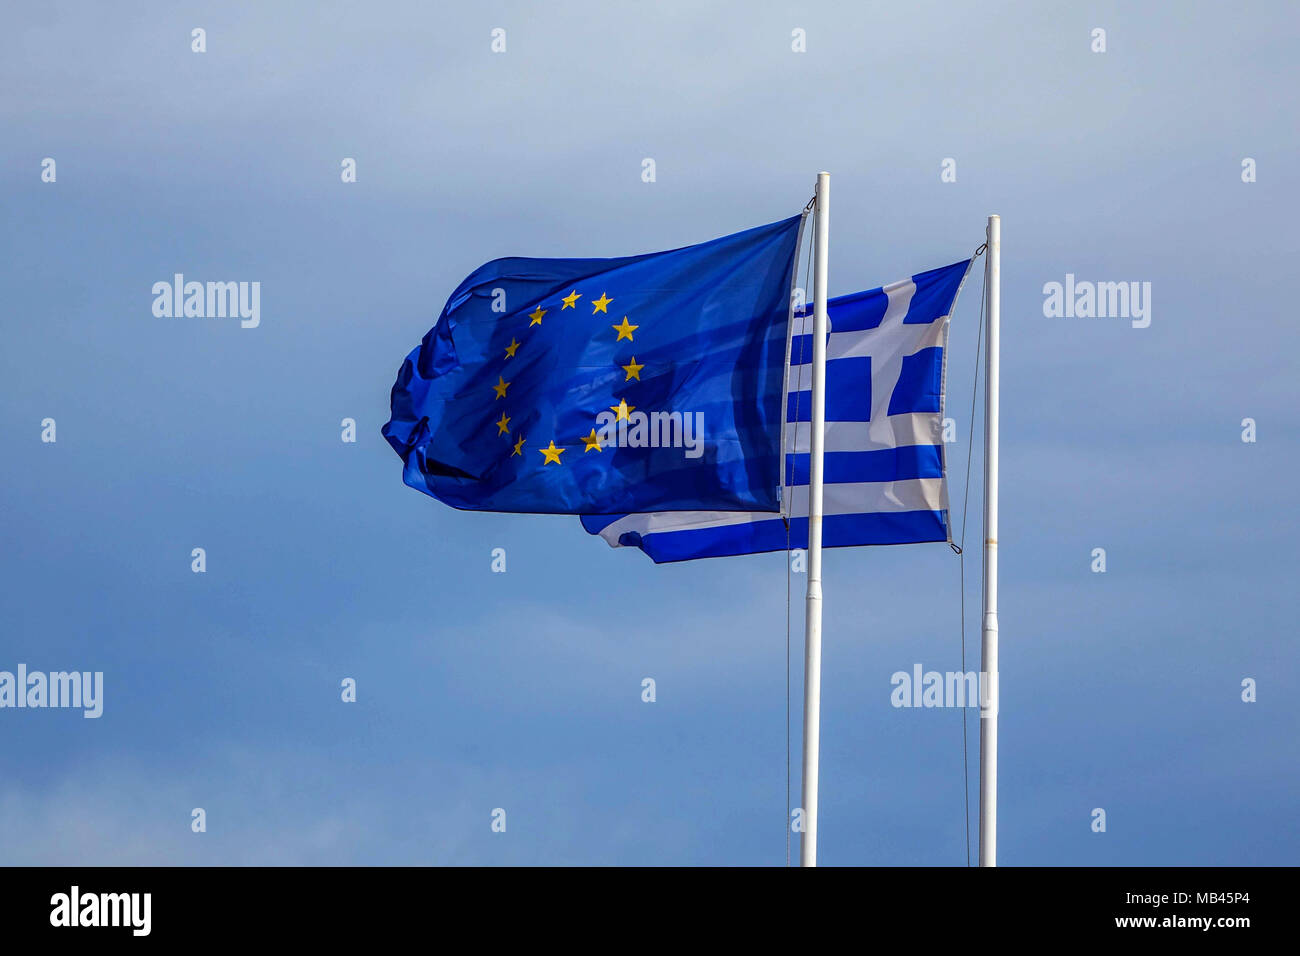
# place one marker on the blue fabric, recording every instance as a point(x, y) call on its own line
point(920, 383)
point(885, 464)
point(919, 389)
point(756, 537)
point(706, 324)
point(848, 392)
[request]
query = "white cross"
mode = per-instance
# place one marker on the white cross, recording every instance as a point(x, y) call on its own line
point(886, 345)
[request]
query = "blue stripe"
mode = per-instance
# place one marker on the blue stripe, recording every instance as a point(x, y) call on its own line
point(935, 291)
point(859, 311)
point(595, 524)
point(886, 464)
point(838, 531)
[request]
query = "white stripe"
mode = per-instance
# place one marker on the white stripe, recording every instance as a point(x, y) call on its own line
point(849, 498)
point(895, 431)
point(877, 344)
point(803, 324)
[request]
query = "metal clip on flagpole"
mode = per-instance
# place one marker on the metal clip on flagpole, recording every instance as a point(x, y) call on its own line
point(812, 675)
point(989, 646)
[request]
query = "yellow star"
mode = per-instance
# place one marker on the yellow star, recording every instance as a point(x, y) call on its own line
point(600, 304)
point(571, 300)
point(624, 330)
point(500, 387)
point(552, 454)
point(519, 447)
point(536, 316)
point(512, 348)
point(633, 370)
point(592, 440)
point(621, 409)
point(503, 425)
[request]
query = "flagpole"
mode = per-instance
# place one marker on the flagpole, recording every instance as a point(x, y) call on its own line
point(989, 647)
point(812, 674)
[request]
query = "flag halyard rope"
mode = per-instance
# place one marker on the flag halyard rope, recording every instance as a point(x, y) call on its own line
point(961, 554)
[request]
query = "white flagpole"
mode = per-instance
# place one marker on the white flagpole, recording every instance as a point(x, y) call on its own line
point(989, 647)
point(812, 675)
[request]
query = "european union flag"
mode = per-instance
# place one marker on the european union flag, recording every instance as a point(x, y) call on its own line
point(598, 386)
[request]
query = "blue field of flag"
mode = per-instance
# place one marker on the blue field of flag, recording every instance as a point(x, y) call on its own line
point(533, 391)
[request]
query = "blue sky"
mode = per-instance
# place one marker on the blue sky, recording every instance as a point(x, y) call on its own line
point(522, 690)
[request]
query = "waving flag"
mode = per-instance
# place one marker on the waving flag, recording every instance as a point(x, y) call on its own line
point(884, 458)
point(597, 386)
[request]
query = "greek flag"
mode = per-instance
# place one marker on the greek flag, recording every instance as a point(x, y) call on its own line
point(884, 471)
